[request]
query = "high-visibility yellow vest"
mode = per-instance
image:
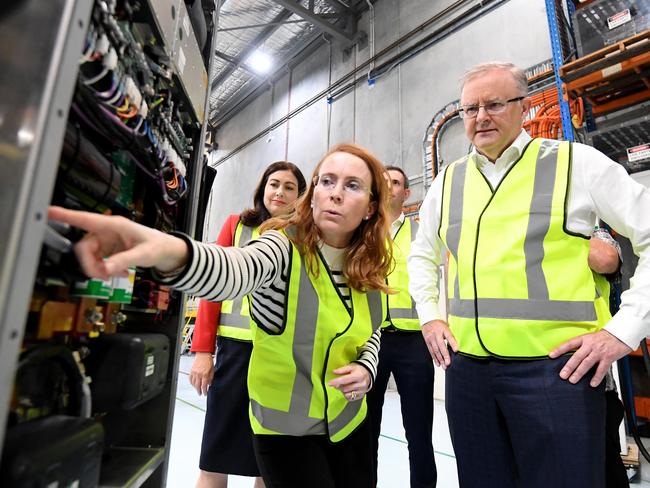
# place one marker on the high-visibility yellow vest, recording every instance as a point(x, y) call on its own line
point(401, 307)
point(289, 372)
point(603, 286)
point(518, 282)
point(235, 321)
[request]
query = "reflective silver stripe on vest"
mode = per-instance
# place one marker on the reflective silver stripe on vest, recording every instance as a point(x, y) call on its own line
point(285, 422)
point(456, 215)
point(235, 318)
point(403, 313)
point(374, 304)
point(351, 409)
point(297, 421)
point(406, 313)
point(414, 229)
point(537, 306)
point(524, 309)
point(539, 220)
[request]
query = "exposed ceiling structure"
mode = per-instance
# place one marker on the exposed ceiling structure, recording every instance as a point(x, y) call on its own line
point(281, 33)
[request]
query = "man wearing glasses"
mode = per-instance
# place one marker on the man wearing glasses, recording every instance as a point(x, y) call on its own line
point(515, 216)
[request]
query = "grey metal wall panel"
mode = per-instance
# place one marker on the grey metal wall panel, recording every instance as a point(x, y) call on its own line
point(165, 13)
point(188, 63)
point(517, 32)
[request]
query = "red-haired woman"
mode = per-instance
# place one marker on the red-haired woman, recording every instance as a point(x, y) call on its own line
point(315, 281)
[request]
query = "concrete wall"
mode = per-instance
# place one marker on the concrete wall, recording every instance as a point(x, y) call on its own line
point(391, 117)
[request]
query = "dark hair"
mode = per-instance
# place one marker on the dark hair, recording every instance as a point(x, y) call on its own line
point(397, 168)
point(369, 256)
point(253, 217)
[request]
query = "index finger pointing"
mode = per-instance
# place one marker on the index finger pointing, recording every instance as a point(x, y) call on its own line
point(84, 220)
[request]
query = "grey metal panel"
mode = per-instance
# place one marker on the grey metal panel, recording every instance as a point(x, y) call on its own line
point(619, 134)
point(188, 63)
point(37, 88)
point(165, 13)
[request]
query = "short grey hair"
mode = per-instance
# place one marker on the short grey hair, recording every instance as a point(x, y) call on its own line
point(518, 74)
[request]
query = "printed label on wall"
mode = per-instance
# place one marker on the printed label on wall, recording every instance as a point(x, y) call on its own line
point(638, 153)
point(150, 366)
point(619, 19)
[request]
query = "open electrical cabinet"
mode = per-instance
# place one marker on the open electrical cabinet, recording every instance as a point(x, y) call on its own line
point(103, 110)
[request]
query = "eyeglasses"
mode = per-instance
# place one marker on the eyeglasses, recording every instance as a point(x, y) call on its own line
point(350, 186)
point(492, 108)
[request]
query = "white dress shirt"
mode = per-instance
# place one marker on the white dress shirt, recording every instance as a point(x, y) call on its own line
point(599, 187)
point(397, 223)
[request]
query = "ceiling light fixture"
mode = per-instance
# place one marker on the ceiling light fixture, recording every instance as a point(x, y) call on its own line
point(260, 62)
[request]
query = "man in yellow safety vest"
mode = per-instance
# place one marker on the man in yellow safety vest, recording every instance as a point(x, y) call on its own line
point(403, 352)
point(528, 338)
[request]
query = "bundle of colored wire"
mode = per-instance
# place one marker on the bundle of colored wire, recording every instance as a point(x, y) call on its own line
point(544, 118)
point(110, 104)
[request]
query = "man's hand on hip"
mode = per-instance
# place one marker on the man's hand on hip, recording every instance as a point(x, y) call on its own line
point(435, 333)
point(598, 348)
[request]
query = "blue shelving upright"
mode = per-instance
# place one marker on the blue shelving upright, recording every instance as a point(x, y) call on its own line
point(558, 60)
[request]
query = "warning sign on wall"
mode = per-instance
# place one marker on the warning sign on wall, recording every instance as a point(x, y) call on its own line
point(638, 153)
point(619, 19)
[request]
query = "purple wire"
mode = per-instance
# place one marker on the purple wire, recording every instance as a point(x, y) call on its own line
point(157, 177)
point(114, 118)
point(82, 116)
point(108, 94)
point(144, 169)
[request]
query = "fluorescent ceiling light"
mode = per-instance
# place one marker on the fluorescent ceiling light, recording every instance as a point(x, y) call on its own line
point(260, 62)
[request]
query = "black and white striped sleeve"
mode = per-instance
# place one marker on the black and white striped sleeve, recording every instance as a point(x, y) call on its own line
point(223, 273)
point(369, 355)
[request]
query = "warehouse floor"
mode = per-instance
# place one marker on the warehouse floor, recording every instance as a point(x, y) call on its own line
point(393, 454)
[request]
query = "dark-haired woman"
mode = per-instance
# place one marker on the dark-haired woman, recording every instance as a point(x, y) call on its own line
point(315, 280)
point(227, 446)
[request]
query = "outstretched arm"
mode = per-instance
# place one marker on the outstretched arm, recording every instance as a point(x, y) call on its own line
point(113, 244)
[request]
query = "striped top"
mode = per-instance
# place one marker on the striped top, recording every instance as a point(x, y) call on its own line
point(261, 269)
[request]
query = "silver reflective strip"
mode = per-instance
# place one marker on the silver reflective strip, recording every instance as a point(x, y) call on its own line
point(414, 229)
point(285, 422)
point(234, 318)
point(351, 409)
point(374, 304)
point(456, 215)
point(524, 309)
point(304, 337)
point(402, 313)
point(296, 420)
point(405, 313)
point(345, 417)
point(539, 220)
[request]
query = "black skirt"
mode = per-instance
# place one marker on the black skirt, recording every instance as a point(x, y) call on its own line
point(227, 445)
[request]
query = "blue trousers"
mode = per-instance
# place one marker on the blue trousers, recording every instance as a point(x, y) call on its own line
point(406, 356)
point(518, 424)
